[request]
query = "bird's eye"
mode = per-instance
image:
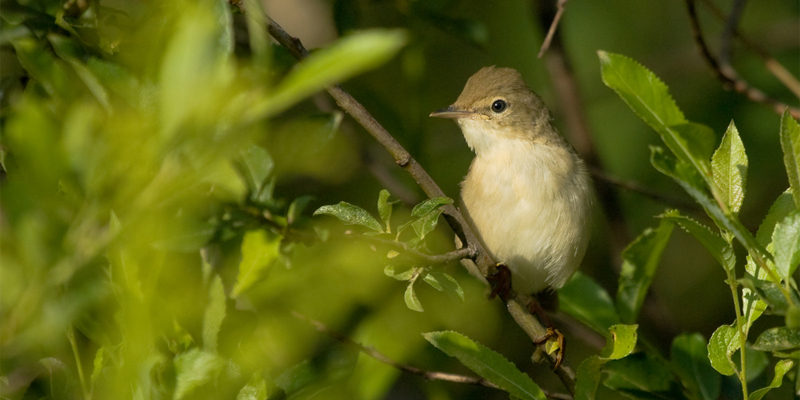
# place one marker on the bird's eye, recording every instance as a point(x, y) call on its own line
point(499, 106)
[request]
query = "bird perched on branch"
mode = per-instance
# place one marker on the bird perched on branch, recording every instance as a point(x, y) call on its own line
point(527, 194)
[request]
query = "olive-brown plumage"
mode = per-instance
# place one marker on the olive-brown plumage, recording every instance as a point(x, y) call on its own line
point(527, 194)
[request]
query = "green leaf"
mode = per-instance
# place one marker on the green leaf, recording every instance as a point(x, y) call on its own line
point(426, 223)
point(786, 241)
point(588, 377)
point(691, 182)
point(490, 365)
point(69, 51)
point(589, 303)
point(431, 280)
point(449, 283)
point(430, 205)
point(723, 343)
point(729, 167)
point(689, 356)
point(783, 206)
point(260, 250)
point(649, 98)
point(256, 165)
point(778, 339)
point(622, 342)
point(351, 215)
point(350, 56)
point(402, 276)
point(639, 262)
point(641, 372)
point(255, 389)
point(790, 143)
point(99, 361)
point(215, 313)
point(296, 208)
point(781, 368)
point(385, 208)
point(715, 244)
point(193, 369)
point(412, 302)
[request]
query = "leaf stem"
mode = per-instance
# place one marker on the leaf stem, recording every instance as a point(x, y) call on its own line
point(76, 353)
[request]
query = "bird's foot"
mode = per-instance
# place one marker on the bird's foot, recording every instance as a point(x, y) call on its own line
point(559, 339)
point(501, 283)
point(536, 309)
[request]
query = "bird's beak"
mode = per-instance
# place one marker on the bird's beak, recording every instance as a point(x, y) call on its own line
point(451, 112)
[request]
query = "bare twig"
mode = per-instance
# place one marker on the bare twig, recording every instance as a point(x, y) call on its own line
point(429, 259)
point(727, 75)
point(731, 23)
point(638, 188)
point(553, 25)
point(458, 224)
point(779, 71)
point(425, 374)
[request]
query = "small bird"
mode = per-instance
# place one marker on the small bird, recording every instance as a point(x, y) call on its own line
point(527, 195)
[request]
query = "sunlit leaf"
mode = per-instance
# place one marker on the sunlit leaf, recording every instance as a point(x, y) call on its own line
point(649, 98)
point(193, 369)
point(723, 343)
point(400, 276)
point(69, 51)
point(585, 300)
point(622, 343)
point(256, 165)
point(347, 57)
point(783, 206)
point(215, 313)
point(351, 215)
point(425, 224)
point(714, 243)
point(786, 241)
point(778, 339)
point(639, 262)
point(790, 143)
point(260, 250)
point(781, 368)
point(410, 297)
point(99, 362)
point(431, 280)
point(689, 357)
point(255, 389)
point(729, 166)
point(385, 208)
point(485, 362)
point(429, 205)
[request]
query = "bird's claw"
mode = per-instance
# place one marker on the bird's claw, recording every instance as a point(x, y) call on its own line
point(501, 283)
point(554, 333)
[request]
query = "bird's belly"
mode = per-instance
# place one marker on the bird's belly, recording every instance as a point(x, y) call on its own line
point(541, 235)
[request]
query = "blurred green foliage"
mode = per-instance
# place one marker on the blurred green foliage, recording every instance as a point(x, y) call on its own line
point(161, 159)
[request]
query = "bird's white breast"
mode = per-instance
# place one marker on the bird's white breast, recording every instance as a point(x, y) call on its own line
point(529, 203)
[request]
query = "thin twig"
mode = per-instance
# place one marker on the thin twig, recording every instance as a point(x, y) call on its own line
point(429, 259)
point(779, 71)
point(425, 374)
point(639, 189)
point(731, 23)
point(454, 218)
point(727, 74)
point(553, 25)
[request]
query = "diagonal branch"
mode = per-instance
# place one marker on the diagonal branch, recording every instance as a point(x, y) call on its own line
point(425, 374)
point(727, 74)
point(486, 266)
